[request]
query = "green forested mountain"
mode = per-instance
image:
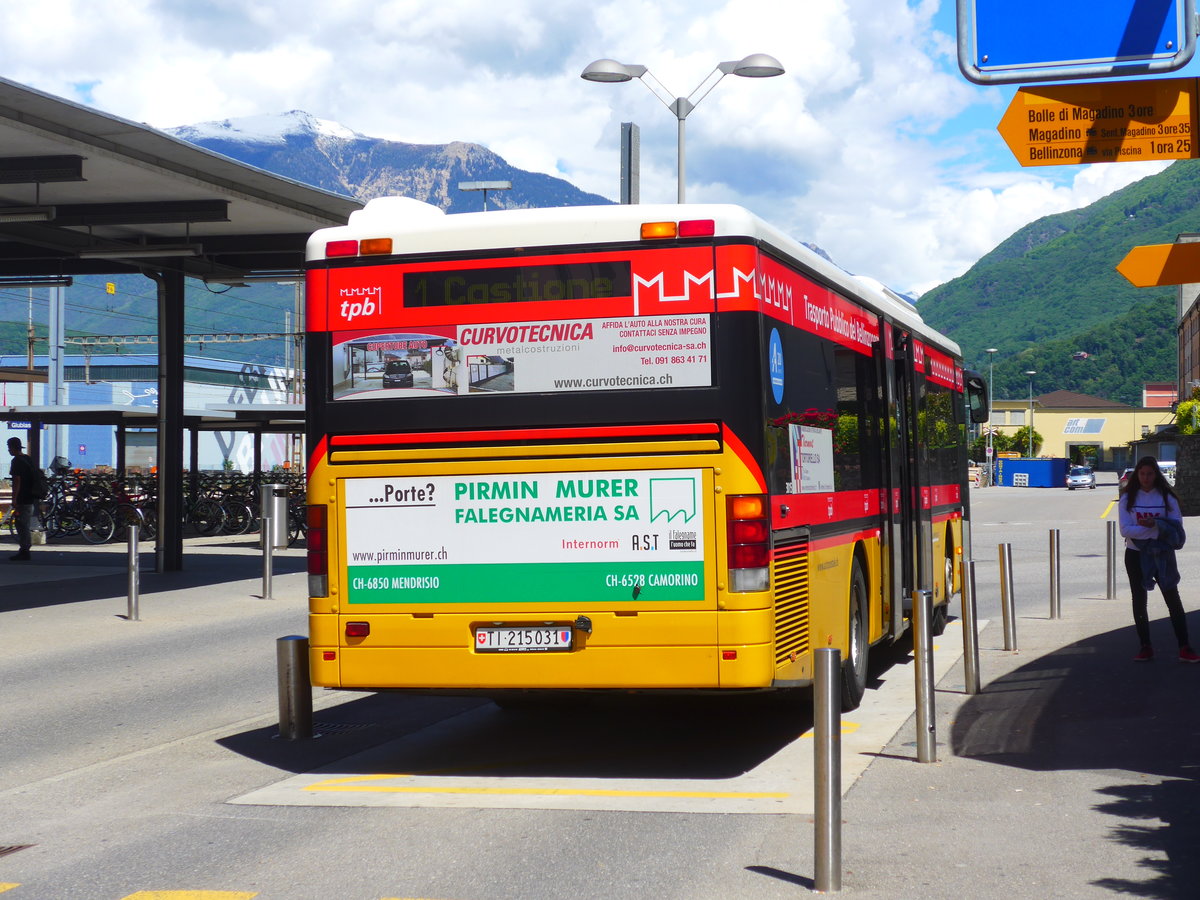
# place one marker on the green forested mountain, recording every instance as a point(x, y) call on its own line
point(1052, 290)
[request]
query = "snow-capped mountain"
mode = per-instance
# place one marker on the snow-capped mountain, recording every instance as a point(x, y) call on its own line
point(328, 155)
point(264, 129)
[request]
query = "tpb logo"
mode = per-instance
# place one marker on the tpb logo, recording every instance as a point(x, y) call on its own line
point(365, 301)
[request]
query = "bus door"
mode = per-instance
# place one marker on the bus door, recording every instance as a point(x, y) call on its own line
point(910, 489)
point(896, 551)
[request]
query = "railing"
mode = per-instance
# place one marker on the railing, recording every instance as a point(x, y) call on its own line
point(100, 507)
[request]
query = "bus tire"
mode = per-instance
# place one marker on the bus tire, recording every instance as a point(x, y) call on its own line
point(854, 666)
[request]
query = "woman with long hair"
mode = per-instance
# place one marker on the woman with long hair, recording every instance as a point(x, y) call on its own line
point(1150, 517)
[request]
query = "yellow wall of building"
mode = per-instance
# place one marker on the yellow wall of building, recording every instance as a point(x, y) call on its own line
point(1121, 425)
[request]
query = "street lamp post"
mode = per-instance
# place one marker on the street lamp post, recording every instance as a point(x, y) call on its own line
point(990, 351)
point(485, 186)
point(1030, 373)
point(756, 65)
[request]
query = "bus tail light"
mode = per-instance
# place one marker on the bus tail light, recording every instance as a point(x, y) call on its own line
point(698, 228)
point(749, 543)
point(318, 551)
point(375, 246)
point(686, 228)
point(341, 248)
point(659, 230)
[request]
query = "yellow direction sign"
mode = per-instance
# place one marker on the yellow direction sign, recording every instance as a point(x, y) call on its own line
point(1155, 265)
point(1102, 121)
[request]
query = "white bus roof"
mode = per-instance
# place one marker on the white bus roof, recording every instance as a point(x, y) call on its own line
point(417, 227)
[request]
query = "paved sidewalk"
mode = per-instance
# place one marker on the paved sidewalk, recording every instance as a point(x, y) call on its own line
point(1072, 774)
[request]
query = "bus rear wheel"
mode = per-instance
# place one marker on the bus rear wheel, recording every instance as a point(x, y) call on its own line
point(854, 667)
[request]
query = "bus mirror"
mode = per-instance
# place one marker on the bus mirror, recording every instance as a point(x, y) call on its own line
point(977, 397)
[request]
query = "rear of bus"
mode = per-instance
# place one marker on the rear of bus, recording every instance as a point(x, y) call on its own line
point(569, 494)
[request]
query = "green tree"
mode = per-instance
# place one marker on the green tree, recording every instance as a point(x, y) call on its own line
point(1187, 414)
point(1084, 455)
point(1020, 441)
point(1000, 442)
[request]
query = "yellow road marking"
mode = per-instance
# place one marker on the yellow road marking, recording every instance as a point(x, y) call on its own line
point(191, 895)
point(8, 887)
point(354, 783)
point(1108, 509)
point(847, 728)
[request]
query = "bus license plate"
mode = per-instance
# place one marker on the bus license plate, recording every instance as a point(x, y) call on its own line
point(540, 639)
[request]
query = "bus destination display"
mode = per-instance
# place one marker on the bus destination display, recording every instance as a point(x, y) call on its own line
point(518, 284)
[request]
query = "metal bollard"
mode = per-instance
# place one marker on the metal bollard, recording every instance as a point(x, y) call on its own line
point(295, 691)
point(134, 575)
point(1007, 601)
point(268, 547)
point(922, 603)
point(1055, 576)
point(272, 507)
point(827, 770)
point(268, 566)
point(1111, 591)
point(970, 631)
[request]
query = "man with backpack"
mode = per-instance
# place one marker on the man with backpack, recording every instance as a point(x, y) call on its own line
point(24, 475)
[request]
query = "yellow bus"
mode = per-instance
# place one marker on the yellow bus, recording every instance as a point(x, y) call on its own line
point(620, 448)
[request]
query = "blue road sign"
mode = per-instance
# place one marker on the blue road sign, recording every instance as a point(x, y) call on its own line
point(1009, 41)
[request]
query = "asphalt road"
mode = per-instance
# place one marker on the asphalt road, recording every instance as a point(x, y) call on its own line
point(124, 744)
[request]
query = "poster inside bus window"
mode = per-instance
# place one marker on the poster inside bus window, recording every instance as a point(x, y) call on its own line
point(812, 459)
point(525, 357)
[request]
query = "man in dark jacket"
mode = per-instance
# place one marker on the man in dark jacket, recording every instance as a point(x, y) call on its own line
point(21, 473)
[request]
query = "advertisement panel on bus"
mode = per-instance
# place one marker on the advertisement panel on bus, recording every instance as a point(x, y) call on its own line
point(596, 537)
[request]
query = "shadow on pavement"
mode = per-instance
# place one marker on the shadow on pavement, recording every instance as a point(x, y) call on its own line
point(1088, 706)
point(621, 737)
point(583, 735)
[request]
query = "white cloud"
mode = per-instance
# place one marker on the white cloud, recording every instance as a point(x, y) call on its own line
point(871, 145)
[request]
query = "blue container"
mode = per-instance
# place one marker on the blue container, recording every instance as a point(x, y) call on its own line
point(1042, 473)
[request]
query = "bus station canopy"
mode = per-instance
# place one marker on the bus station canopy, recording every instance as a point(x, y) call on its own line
point(86, 193)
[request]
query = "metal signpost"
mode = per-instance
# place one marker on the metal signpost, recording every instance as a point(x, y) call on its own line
point(1012, 41)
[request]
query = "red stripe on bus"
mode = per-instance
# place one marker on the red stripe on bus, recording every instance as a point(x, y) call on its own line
point(808, 509)
point(526, 434)
point(318, 455)
point(840, 540)
point(946, 494)
point(316, 289)
point(819, 509)
point(734, 443)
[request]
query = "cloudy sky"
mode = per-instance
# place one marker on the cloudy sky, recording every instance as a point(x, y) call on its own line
point(872, 145)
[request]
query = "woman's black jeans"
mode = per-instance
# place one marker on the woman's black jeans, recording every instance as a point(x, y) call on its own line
point(1141, 618)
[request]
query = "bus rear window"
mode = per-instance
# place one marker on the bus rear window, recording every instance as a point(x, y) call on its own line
point(518, 284)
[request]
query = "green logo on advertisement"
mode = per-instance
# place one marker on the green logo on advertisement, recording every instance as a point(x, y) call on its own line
point(673, 497)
